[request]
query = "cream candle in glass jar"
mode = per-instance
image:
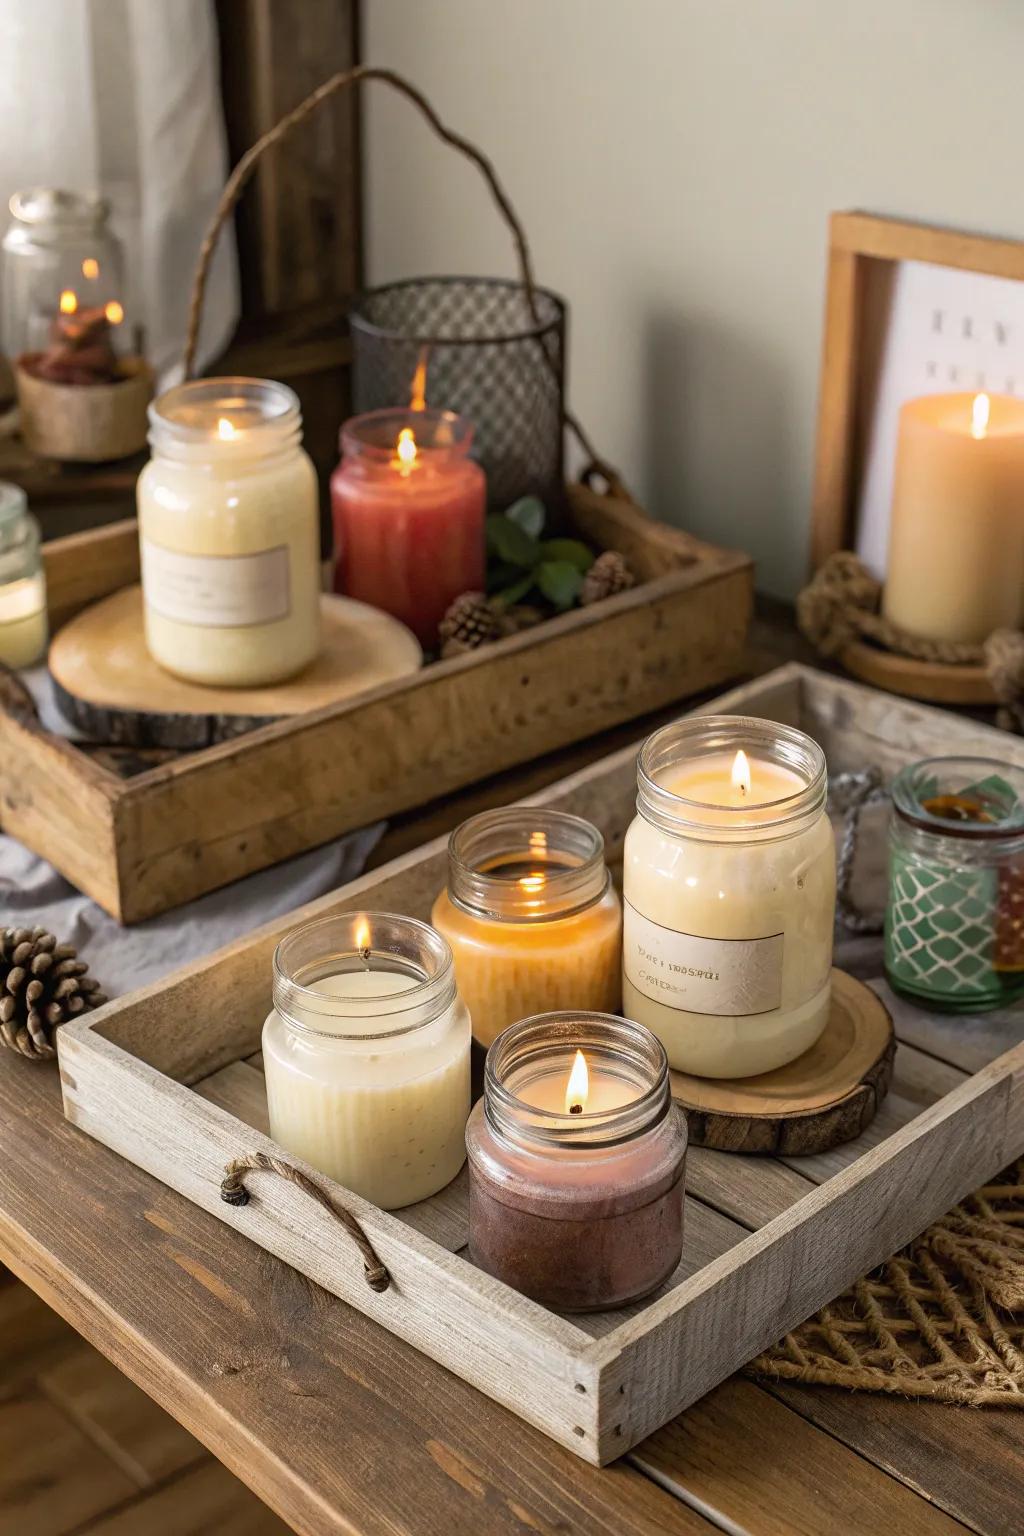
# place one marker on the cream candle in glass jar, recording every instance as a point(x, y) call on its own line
point(229, 534)
point(23, 624)
point(729, 895)
point(531, 915)
point(366, 1055)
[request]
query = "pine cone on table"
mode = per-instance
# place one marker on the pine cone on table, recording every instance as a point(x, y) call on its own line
point(608, 574)
point(469, 621)
point(42, 985)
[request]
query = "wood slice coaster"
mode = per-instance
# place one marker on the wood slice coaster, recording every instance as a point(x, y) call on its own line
point(934, 681)
point(107, 684)
point(827, 1096)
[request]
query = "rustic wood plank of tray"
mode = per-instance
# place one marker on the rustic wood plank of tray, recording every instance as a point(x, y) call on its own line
point(186, 827)
point(600, 1384)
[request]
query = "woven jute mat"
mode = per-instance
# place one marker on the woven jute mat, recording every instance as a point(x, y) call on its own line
point(936, 1321)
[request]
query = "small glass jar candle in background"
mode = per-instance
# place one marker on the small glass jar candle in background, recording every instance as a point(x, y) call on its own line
point(531, 915)
point(576, 1161)
point(729, 895)
point(23, 628)
point(58, 244)
point(409, 506)
point(366, 1055)
point(229, 534)
point(954, 924)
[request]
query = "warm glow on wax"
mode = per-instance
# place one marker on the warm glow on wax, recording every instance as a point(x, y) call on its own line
point(577, 1089)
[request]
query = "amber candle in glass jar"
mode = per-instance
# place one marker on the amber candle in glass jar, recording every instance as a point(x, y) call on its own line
point(531, 915)
point(576, 1158)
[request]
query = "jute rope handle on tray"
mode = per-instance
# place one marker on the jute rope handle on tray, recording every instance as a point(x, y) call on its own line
point(341, 82)
point(234, 1192)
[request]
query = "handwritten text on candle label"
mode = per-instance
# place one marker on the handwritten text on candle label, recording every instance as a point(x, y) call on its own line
point(217, 591)
point(731, 977)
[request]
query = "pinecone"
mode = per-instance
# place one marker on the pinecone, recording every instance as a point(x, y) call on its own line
point(468, 622)
point(608, 574)
point(42, 985)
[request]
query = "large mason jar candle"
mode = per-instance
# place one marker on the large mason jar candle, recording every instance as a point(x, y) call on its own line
point(576, 1161)
point(229, 534)
point(366, 1055)
point(409, 506)
point(531, 915)
point(23, 626)
point(729, 895)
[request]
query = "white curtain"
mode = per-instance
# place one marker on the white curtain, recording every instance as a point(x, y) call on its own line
point(122, 97)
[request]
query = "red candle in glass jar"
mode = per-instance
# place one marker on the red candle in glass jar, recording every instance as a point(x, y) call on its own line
point(409, 506)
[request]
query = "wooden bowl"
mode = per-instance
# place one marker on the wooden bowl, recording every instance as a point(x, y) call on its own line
point(85, 423)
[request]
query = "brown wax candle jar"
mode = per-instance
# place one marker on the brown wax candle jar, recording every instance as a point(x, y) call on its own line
point(576, 1159)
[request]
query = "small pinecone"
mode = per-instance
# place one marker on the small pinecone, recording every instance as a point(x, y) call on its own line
point(469, 622)
point(608, 574)
point(42, 985)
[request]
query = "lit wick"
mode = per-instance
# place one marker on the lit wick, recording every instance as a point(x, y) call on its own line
point(362, 939)
point(741, 774)
point(577, 1089)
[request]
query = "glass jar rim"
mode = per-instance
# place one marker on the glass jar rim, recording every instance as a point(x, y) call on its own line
point(412, 948)
point(526, 864)
point(37, 206)
point(697, 736)
point(557, 1034)
point(909, 807)
point(185, 414)
point(437, 434)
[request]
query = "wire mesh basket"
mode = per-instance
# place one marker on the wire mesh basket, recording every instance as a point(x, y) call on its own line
point(472, 345)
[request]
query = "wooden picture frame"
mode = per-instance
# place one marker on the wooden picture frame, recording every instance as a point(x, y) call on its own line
point(859, 243)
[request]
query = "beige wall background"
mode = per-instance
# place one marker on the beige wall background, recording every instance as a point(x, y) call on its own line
point(674, 163)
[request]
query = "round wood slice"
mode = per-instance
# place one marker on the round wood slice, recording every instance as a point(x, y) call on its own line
point(934, 681)
point(827, 1096)
point(107, 684)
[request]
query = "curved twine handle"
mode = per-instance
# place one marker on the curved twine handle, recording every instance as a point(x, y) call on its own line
point(234, 1192)
point(236, 183)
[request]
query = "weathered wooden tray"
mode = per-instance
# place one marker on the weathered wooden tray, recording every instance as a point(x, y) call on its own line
point(186, 826)
point(171, 1078)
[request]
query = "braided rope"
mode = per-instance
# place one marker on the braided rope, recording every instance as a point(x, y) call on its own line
point(850, 794)
point(234, 1192)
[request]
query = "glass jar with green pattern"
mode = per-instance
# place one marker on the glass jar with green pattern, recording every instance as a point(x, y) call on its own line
point(954, 923)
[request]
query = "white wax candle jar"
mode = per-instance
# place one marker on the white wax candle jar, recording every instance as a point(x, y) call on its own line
point(23, 627)
point(366, 1055)
point(531, 915)
point(229, 534)
point(729, 895)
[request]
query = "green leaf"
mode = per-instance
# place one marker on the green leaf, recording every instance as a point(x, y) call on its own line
point(500, 574)
point(528, 514)
point(513, 594)
point(510, 542)
point(560, 582)
point(572, 550)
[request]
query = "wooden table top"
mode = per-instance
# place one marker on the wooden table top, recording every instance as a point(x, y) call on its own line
point(342, 1428)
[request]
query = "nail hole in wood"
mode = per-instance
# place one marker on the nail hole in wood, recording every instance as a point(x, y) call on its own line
point(622, 1391)
point(578, 1431)
point(580, 1387)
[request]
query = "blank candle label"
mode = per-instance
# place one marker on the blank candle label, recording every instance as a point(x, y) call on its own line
point(732, 977)
point(217, 591)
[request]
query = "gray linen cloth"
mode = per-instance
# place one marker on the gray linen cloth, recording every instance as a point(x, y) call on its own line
point(31, 891)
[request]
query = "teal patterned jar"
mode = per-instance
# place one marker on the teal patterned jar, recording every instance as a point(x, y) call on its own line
point(954, 924)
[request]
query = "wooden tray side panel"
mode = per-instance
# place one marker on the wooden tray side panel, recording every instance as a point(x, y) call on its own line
point(84, 567)
point(515, 1351)
point(687, 1342)
point(195, 825)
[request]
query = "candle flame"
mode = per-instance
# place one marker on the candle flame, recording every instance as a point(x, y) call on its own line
point(226, 429)
point(418, 393)
point(362, 937)
point(91, 268)
point(741, 773)
point(114, 312)
point(577, 1089)
point(980, 409)
point(405, 448)
point(68, 301)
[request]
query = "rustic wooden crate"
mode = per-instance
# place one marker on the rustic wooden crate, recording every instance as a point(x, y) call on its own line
point(178, 829)
point(171, 1078)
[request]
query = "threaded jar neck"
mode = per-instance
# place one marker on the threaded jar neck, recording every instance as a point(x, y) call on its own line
point(521, 864)
point(227, 422)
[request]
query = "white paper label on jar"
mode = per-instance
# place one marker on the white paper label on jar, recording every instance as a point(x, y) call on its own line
point(217, 591)
point(733, 977)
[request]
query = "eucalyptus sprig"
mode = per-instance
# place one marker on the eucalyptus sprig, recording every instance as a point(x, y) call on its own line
point(520, 561)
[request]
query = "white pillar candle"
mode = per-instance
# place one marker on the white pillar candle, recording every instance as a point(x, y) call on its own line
point(729, 895)
point(229, 533)
point(366, 1056)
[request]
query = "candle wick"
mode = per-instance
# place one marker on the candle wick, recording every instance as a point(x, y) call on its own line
point(575, 1109)
point(364, 955)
